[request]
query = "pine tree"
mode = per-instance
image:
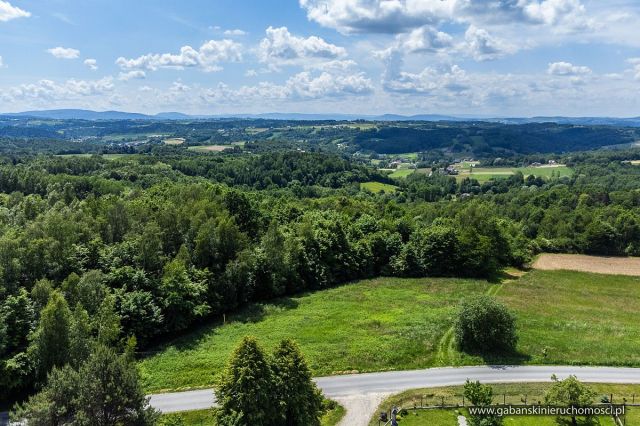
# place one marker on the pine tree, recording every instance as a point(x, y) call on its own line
point(104, 391)
point(247, 386)
point(299, 399)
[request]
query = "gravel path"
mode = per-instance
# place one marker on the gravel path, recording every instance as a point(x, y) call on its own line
point(360, 408)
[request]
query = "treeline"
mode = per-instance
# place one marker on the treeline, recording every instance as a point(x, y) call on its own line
point(110, 264)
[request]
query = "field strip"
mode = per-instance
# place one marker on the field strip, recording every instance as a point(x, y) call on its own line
point(596, 264)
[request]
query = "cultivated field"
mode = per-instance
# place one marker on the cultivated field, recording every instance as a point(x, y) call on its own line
point(598, 264)
point(513, 393)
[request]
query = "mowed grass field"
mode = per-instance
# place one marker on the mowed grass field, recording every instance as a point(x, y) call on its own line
point(512, 393)
point(372, 325)
point(484, 174)
point(174, 141)
point(569, 317)
point(402, 173)
point(210, 148)
point(564, 317)
point(377, 187)
point(105, 156)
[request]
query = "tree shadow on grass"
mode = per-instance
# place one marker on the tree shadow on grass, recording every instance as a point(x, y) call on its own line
point(507, 275)
point(497, 358)
point(192, 337)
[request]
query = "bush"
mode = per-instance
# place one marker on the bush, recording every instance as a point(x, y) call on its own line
point(484, 325)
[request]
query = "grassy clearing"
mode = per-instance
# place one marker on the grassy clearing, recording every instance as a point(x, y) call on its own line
point(483, 174)
point(402, 173)
point(567, 317)
point(511, 393)
point(105, 156)
point(372, 325)
point(394, 324)
point(210, 148)
point(174, 141)
point(377, 187)
point(206, 417)
point(190, 418)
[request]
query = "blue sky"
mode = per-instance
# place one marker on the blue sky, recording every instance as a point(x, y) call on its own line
point(480, 57)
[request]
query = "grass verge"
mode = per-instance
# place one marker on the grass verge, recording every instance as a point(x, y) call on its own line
point(206, 418)
point(512, 393)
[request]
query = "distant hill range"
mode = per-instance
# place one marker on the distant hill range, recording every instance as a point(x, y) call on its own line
point(82, 114)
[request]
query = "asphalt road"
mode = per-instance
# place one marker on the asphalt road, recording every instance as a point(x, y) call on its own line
point(398, 381)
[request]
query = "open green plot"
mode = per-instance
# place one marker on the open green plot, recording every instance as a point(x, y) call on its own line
point(377, 187)
point(483, 174)
point(568, 317)
point(511, 393)
point(394, 324)
point(207, 418)
point(174, 141)
point(372, 325)
point(105, 156)
point(210, 148)
point(402, 173)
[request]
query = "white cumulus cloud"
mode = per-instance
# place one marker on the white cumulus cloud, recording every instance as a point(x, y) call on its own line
point(636, 67)
point(208, 57)
point(281, 47)
point(9, 12)
point(567, 69)
point(482, 46)
point(131, 75)
point(50, 91)
point(425, 39)
point(64, 52)
point(234, 33)
point(92, 64)
point(399, 16)
point(305, 85)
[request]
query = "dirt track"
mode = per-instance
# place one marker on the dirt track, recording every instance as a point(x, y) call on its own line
point(601, 265)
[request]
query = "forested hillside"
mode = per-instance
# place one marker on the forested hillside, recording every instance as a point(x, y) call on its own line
point(101, 249)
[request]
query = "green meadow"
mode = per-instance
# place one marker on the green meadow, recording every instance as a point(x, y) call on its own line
point(394, 324)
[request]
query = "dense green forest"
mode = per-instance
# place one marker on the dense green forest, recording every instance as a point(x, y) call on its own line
point(97, 251)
